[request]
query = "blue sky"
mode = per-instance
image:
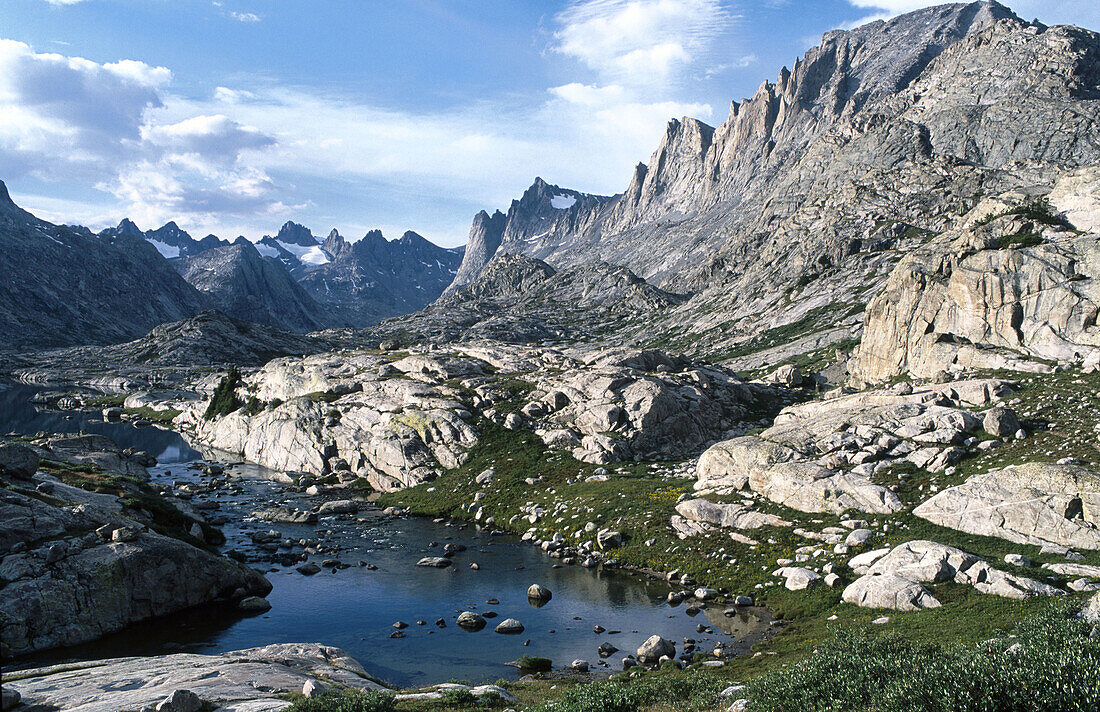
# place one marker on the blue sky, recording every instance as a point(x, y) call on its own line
point(233, 116)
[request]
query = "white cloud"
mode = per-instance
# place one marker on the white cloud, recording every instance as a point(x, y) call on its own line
point(59, 3)
point(216, 138)
point(639, 42)
point(894, 7)
point(241, 160)
point(69, 118)
point(246, 17)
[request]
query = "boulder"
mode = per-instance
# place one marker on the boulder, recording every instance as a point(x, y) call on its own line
point(339, 506)
point(733, 515)
point(509, 626)
point(180, 701)
point(18, 461)
point(1000, 422)
point(797, 578)
point(787, 376)
point(437, 562)
point(654, 648)
point(894, 579)
point(1035, 503)
point(539, 593)
point(608, 539)
point(469, 620)
point(254, 604)
point(889, 591)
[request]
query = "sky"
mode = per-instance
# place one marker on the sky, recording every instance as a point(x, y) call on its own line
point(233, 116)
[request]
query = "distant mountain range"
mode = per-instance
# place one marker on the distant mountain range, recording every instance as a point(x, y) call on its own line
point(65, 285)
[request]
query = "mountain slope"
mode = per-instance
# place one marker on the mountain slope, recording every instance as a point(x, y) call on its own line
point(246, 286)
point(61, 285)
point(519, 299)
point(376, 278)
point(787, 218)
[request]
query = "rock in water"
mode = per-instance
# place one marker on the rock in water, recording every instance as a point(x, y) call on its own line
point(254, 604)
point(469, 620)
point(654, 648)
point(509, 626)
point(539, 592)
point(438, 562)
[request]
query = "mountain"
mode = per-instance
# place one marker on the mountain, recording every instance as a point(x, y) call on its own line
point(61, 285)
point(294, 246)
point(169, 239)
point(245, 285)
point(542, 211)
point(366, 281)
point(517, 299)
point(785, 220)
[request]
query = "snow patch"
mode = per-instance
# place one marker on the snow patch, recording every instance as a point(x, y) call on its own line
point(312, 255)
point(266, 250)
point(561, 202)
point(169, 251)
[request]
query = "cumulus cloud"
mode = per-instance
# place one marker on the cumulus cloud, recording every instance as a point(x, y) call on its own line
point(74, 119)
point(246, 17)
point(54, 102)
point(639, 41)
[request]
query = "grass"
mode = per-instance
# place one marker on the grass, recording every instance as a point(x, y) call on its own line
point(335, 700)
point(165, 416)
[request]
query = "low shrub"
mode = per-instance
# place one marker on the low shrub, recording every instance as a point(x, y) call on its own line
point(692, 691)
point(346, 701)
point(225, 400)
point(1050, 664)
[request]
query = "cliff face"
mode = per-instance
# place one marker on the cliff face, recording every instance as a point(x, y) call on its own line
point(807, 195)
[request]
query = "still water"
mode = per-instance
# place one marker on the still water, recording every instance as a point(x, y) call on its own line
point(354, 608)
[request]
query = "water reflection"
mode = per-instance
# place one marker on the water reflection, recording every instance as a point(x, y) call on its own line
point(354, 608)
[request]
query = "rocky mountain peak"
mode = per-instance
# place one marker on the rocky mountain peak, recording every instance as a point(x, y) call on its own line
point(294, 234)
point(486, 234)
point(127, 227)
point(335, 245)
point(8, 208)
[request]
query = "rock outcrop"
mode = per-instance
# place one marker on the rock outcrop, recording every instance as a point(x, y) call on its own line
point(1034, 503)
point(79, 564)
point(895, 579)
point(1012, 293)
point(820, 456)
point(397, 423)
point(254, 679)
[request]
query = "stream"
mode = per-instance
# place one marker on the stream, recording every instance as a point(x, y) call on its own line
point(354, 608)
